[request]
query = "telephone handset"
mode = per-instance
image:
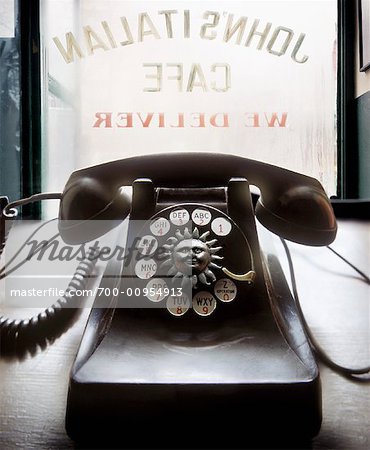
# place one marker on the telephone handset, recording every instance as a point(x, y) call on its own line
point(213, 326)
point(291, 205)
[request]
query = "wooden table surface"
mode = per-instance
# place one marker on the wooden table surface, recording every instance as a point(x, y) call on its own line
point(336, 303)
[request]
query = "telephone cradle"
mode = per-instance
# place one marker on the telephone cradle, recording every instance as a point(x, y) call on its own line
point(204, 338)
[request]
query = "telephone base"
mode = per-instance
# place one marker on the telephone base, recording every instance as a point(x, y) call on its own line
point(146, 382)
point(195, 415)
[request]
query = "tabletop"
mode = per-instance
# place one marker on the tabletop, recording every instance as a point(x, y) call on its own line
point(335, 301)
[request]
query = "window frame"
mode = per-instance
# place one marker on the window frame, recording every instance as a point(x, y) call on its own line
point(29, 13)
point(347, 146)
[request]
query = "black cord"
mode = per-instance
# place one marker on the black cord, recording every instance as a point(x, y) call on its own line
point(356, 269)
point(324, 357)
point(18, 334)
point(10, 211)
point(8, 214)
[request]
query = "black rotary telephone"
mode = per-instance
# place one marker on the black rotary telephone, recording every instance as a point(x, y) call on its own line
point(196, 327)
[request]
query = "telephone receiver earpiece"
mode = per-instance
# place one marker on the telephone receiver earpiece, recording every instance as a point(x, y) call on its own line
point(90, 209)
point(292, 205)
point(301, 214)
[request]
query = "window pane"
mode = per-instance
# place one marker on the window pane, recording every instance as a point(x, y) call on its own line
point(253, 78)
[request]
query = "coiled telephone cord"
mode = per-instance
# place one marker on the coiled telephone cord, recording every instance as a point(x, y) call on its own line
point(45, 325)
point(52, 322)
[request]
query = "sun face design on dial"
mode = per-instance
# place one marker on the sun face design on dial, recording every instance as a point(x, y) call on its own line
point(191, 257)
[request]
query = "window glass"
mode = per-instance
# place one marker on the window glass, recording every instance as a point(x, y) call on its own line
point(10, 113)
point(252, 78)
